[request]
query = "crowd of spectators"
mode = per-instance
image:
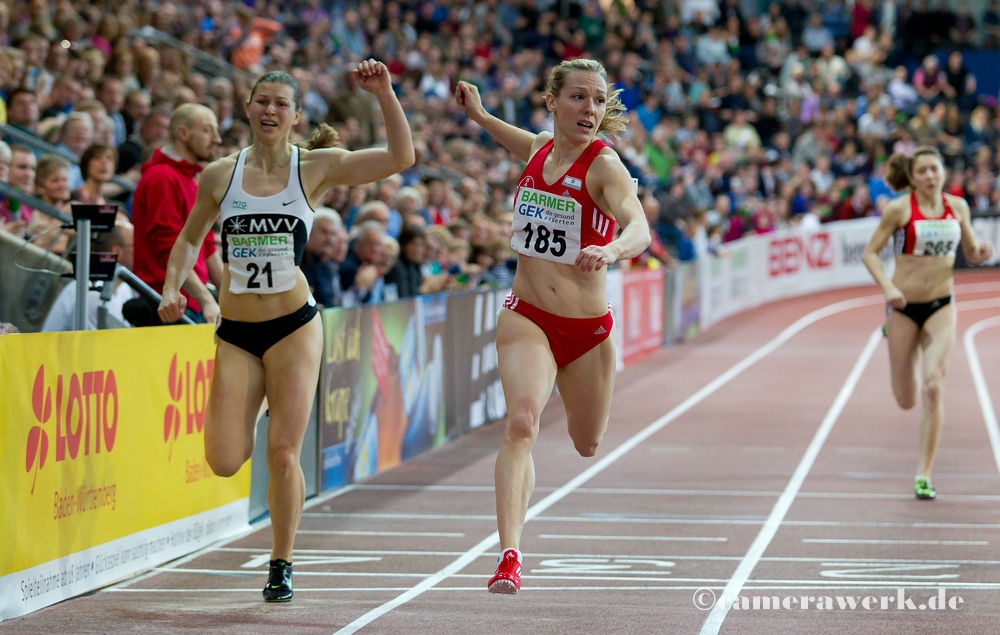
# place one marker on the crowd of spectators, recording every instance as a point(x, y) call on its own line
point(745, 115)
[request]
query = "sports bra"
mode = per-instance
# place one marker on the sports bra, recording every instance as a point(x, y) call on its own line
point(264, 237)
point(922, 236)
point(554, 222)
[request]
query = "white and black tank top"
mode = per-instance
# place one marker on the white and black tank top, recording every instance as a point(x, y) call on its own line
point(263, 237)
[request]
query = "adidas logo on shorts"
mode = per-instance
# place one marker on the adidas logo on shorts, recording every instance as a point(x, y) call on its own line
point(600, 331)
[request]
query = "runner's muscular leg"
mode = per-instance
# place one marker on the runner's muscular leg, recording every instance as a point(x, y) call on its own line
point(527, 373)
point(936, 344)
point(586, 385)
point(292, 374)
point(233, 408)
point(903, 337)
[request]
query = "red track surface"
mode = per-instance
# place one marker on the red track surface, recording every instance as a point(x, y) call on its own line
point(625, 551)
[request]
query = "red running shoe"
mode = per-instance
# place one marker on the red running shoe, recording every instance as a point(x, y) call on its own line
point(507, 579)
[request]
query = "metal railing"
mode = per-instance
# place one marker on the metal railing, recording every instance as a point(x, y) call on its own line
point(107, 321)
point(206, 63)
point(34, 203)
point(41, 145)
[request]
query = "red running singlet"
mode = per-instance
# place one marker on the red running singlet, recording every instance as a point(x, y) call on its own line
point(922, 236)
point(554, 222)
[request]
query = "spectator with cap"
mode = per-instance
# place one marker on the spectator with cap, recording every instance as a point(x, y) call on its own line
point(161, 204)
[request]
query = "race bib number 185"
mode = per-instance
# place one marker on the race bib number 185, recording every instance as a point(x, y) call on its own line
point(546, 226)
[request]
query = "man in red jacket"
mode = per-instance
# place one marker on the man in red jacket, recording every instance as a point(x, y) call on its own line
point(162, 202)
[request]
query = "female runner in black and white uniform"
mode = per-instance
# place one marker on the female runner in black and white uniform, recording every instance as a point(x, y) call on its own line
point(269, 338)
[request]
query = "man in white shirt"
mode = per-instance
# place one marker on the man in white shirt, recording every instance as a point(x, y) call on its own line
point(62, 315)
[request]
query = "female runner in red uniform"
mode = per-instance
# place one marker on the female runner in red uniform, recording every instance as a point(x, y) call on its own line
point(928, 227)
point(556, 326)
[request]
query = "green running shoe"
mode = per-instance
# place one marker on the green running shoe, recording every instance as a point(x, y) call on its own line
point(923, 490)
point(279, 582)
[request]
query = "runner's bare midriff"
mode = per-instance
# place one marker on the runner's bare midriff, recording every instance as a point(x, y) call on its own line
point(260, 307)
point(561, 289)
point(923, 278)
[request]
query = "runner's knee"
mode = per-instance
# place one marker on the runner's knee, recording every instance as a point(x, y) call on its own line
point(223, 464)
point(585, 441)
point(933, 390)
point(522, 423)
point(586, 448)
point(906, 399)
point(282, 461)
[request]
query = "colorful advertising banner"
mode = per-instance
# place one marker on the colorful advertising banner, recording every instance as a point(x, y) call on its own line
point(641, 321)
point(103, 462)
point(381, 387)
point(473, 391)
point(686, 301)
point(785, 264)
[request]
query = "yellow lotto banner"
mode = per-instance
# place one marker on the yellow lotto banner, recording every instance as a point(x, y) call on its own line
point(103, 461)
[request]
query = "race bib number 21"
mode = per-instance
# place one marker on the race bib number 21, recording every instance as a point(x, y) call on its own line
point(261, 263)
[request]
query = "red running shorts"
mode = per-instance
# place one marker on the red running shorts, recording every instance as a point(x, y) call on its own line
point(569, 338)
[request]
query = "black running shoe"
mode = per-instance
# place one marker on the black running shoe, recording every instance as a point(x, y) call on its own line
point(279, 582)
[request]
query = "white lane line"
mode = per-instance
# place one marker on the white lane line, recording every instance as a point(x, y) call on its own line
point(254, 527)
point(977, 287)
point(345, 532)
point(763, 585)
point(982, 391)
point(576, 554)
point(770, 528)
point(677, 521)
point(978, 305)
point(399, 516)
point(631, 491)
point(633, 538)
point(846, 541)
point(615, 491)
point(908, 497)
point(429, 488)
point(491, 541)
point(626, 576)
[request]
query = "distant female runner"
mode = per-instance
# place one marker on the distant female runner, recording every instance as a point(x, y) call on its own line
point(556, 325)
point(927, 226)
point(269, 336)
